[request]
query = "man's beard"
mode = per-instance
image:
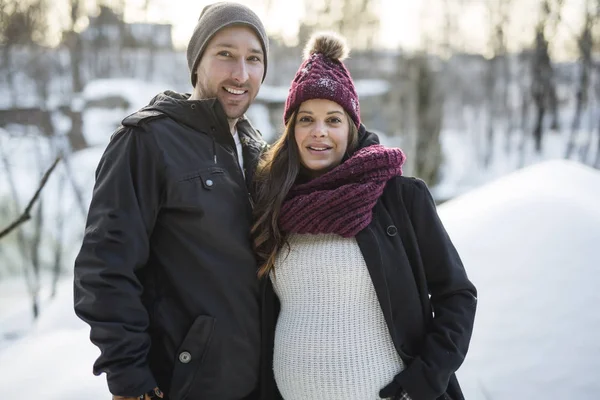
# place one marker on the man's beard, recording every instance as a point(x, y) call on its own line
point(206, 93)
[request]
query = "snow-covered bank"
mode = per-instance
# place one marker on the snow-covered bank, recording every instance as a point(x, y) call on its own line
point(530, 244)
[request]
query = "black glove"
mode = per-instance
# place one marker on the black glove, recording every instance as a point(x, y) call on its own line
point(401, 396)
point(392, 389)
point(153, 394)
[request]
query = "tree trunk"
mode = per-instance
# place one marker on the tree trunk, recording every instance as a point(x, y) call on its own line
point(524, 124)
point(575, 125)
point(585, 43)
point(597, 163)
point(490, 89)
point(58, 244)
point(507, 106)
point(586, 148)
point(429, 121)
point(539, 129)
point(76, 138)
point(76, 58)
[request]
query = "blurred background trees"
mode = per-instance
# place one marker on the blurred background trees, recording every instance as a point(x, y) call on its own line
point(488, 87)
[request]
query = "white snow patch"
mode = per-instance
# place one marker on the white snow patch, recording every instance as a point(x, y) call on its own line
point(100, 124)
point(272, 94)
point(529, 242)
point(371, 87)
point(55, 359)
point(135, 91)
point(364, 88)
point(258, 114)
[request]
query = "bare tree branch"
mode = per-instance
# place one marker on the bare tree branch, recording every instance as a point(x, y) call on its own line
point(25, 216)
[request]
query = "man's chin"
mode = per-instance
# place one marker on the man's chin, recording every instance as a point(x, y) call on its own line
point(235, 109)
point(235, 112)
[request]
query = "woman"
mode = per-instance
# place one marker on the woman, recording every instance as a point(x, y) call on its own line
point(355, 261)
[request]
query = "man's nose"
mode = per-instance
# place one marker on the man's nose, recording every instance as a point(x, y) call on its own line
point(240, 72)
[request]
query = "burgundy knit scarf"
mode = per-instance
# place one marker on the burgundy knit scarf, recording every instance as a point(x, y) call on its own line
point(341, 201)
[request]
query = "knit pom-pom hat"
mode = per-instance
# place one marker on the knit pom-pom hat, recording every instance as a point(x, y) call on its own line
point(323, 75)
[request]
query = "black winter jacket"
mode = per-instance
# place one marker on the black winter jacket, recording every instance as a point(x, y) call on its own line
point(166, 276)
point(417, 273)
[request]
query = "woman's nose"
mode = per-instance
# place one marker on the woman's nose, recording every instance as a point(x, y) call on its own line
point(319, 130)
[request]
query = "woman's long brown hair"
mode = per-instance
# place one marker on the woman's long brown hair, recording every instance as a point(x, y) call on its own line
point(275, 175)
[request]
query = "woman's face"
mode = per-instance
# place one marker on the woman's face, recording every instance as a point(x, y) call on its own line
point(321, 133)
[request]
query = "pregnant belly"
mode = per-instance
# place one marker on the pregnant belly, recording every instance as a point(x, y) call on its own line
point(332, 359)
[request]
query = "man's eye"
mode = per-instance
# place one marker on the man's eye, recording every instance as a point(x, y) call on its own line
point(254, 59)
point(225, 53)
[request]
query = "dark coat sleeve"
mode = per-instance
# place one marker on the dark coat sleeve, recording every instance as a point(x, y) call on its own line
point(107, 292)
point(453, 300)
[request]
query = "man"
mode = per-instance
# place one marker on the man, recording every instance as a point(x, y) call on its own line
point(166, 276)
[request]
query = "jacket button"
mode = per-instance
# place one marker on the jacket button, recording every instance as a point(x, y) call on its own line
point(392, 230)
point(185, 357)
point(209, 182)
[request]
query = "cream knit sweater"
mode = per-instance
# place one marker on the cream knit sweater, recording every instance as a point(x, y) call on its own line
point(331, 339)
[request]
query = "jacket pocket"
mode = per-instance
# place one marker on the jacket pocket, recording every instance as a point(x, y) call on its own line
point(203, 175)
point(190, 356)
point(196, 189)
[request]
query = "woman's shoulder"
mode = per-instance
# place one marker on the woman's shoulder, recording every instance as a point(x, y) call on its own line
point(408, 183)
point(408, 188)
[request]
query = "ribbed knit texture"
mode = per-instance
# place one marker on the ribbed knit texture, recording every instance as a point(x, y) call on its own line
point(320, 77)
point(341, 201)
point(331, 339)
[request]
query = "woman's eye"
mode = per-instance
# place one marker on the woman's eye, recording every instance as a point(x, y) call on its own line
point(225, 53)
point(335, 121)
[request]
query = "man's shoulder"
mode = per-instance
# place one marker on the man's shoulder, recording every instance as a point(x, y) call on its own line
point(138, 122)
point(142, 117)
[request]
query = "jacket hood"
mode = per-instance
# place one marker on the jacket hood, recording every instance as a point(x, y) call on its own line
point(201, 115)
point(197, 114)
point(366, 138)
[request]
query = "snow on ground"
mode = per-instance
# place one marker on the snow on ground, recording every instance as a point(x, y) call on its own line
point(529, 242)
point(15, 310)
point(54, 359)
point(55, 365)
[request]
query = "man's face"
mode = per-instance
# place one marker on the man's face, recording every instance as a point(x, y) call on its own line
point(231, 69)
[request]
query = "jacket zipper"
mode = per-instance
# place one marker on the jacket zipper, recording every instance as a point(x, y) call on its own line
point(237, 163)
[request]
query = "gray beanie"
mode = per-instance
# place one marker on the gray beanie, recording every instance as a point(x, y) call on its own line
point(215, 17)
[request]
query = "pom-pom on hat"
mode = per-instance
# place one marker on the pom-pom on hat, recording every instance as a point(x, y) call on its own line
point(323, 75)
